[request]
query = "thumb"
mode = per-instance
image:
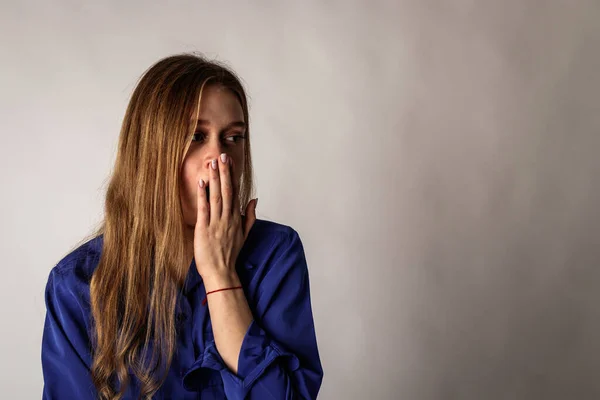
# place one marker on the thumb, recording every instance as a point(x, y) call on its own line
point(250, 217)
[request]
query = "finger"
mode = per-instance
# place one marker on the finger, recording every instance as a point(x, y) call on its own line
point(250, 217)
point(226, 186)
point(215, 195)
point(201, 205)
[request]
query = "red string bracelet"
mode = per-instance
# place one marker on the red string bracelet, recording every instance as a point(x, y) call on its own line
point(218, 290)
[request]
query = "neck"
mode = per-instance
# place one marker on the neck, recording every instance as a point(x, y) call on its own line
point(189, 243)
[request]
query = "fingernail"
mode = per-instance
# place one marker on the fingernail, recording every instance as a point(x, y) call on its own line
point(224, 158)
point(256, 204)
point(201, 183)
point(214, 164)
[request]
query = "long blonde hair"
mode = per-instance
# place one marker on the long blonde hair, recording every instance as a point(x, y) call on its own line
point(143, 264)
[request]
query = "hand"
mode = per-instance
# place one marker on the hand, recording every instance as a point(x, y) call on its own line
point(220, 230)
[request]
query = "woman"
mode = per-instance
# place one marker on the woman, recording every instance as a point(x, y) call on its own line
point(181, 293)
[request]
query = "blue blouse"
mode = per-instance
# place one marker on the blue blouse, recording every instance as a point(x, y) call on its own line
point(278, 359)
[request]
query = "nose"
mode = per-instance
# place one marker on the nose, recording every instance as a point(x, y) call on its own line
point(217, 156)
point(214, 151)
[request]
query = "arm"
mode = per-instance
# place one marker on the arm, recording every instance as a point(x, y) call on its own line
point(65, 355)
point(277, 358)
point(230, 317)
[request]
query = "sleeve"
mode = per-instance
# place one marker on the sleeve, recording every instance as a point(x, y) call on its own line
point(279, 358)
point(65, 354)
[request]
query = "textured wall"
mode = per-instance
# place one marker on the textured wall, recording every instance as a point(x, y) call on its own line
point(439, 159)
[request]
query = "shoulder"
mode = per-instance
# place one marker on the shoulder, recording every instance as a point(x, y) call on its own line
point(273, 268)
point(271, 238)
point(272, 251)
point(272, 230)
point(73, 273)
point(68, 324)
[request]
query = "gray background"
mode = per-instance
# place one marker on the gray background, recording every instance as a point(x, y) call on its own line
point(438, 158)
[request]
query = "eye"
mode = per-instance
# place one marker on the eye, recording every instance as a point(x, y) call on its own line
point(199, 137)
point(235, 138)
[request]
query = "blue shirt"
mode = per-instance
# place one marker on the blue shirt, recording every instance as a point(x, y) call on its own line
point(278, 359)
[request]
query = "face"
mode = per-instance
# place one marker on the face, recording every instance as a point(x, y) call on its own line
point(220, 128)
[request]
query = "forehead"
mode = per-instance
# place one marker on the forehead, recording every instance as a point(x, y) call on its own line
point(219, 104)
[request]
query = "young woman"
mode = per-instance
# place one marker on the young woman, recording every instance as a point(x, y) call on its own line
point(181, 293)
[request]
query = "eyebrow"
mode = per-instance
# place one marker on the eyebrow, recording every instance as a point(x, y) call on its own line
point(234, 124)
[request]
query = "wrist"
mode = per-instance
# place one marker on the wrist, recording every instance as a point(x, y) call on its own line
point(221, 281)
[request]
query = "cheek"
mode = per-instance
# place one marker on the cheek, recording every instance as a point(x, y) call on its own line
point(238, 165)
point(187, 178)
point(187, 190)
point(187, 195)
point(235, 177)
